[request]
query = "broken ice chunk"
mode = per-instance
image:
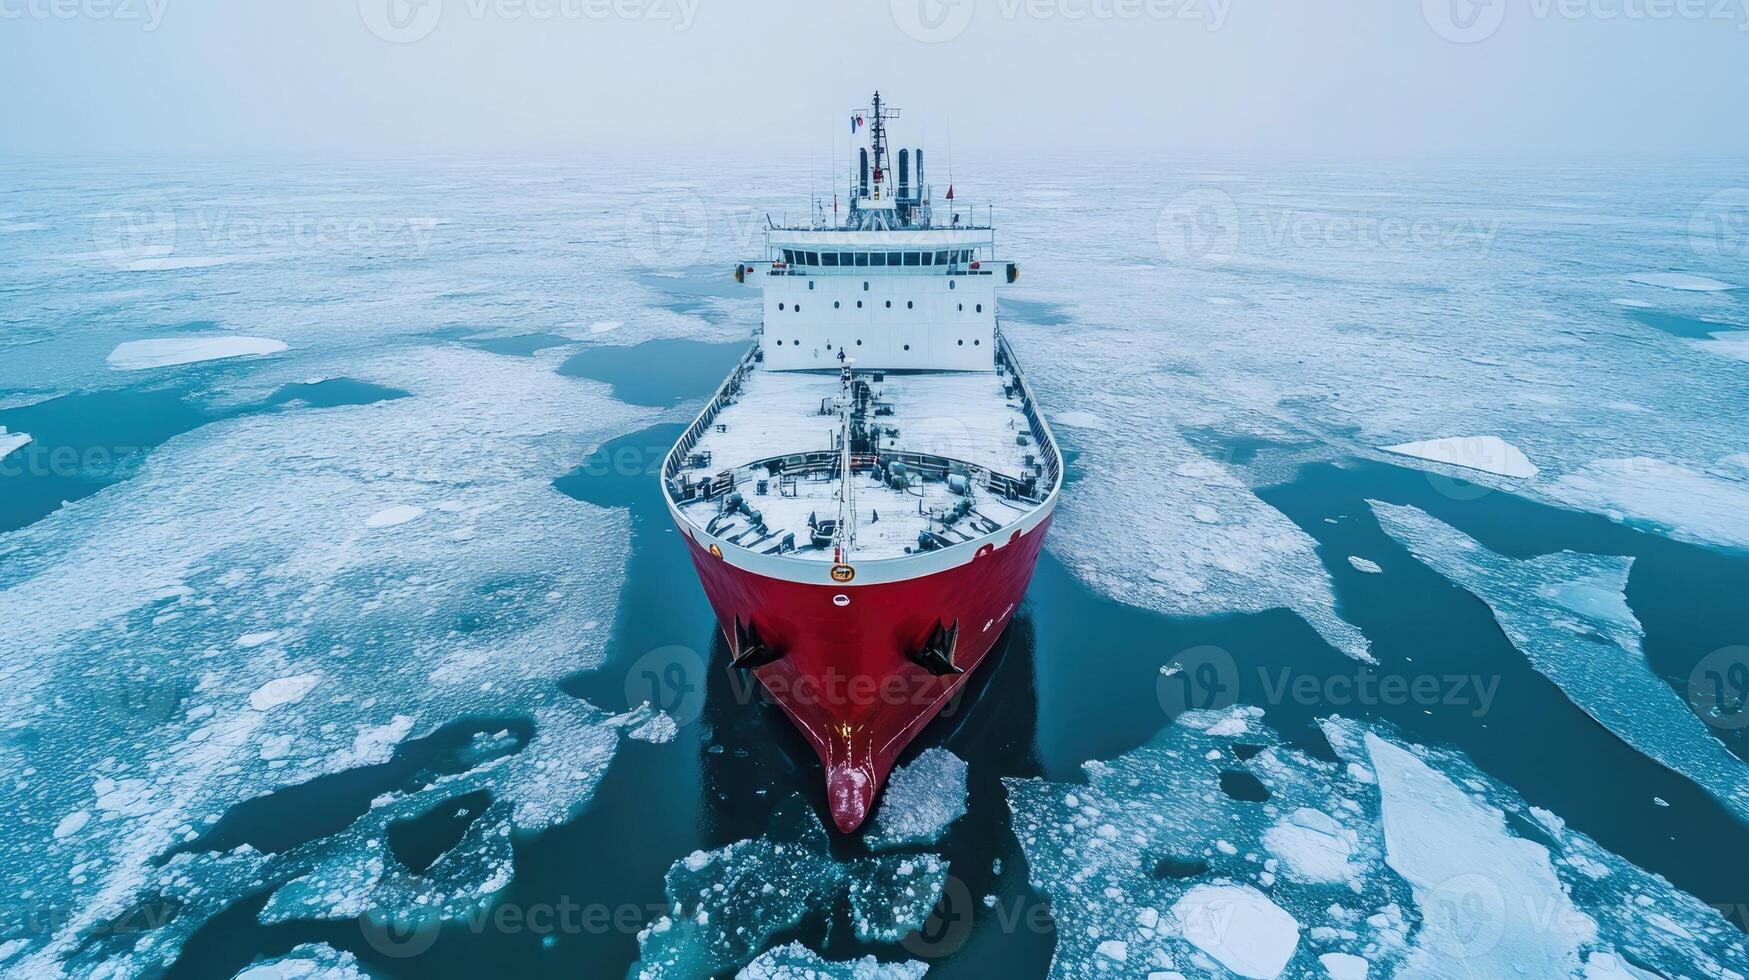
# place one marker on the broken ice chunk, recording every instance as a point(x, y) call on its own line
point(1489, 454)
point(797, 962)
point(921, 800)
point(1239, 926)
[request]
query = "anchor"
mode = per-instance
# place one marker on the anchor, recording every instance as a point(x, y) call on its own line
point(937, 653)
point(749, 651)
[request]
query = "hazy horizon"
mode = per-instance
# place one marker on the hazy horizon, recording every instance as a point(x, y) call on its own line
point(1435, 79)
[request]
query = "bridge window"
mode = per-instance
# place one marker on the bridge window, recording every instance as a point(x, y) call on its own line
point(895, 258)
point(912, 258)
point(862, 258)
point(831, 258)
point(928, 258)
point(789, 256)
point(813, 258)
point(941, 258)
point(878, 258)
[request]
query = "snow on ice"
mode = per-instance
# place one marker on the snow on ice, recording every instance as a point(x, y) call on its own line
point(920, 801)
point(139, 355)
point(1398, 857)
point(1680, 280)
point(1686, 503)
point(1568, 614)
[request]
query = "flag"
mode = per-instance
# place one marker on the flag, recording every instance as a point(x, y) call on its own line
point(950, 192)
point(855, 123)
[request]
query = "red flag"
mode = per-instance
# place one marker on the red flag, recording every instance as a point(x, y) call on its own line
point(950, 192)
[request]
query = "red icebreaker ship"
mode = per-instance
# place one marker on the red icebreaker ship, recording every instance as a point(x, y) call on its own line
point(866, 495)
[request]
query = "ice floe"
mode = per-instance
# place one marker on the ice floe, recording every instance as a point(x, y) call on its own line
point(1366, 565)
point(1397, 857)
point(1568, 614)
point(394, 516)
point(1686, 503)
point(1490, 454)
point(724, 905)
point(11, 442)
point(920, 801)
point(1239, 927)
point(121, 615)
point(1685, 281)
point(311, 961)
point(797, 962)
point(138, 355)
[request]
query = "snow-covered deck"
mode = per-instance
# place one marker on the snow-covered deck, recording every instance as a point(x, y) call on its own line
point(772, 440)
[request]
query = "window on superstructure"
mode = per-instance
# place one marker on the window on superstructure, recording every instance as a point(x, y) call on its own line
point(928, 258)
point(912, 258)
point(895, 258)
point(941, 258)
point(862, 258)
point(878, 258)
point(845, 258)
point(831, 258)
point(813, 258)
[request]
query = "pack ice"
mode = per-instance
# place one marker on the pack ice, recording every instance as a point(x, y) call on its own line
point(920, 801)
point(139, 355)
point(726, 904)
point(1567, 613)
point(227, 623)
point(1397, 857)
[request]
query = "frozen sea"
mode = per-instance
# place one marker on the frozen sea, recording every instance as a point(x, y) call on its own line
point(1393, 623)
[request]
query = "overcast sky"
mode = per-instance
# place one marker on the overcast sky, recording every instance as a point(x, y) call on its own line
point(1295, 78)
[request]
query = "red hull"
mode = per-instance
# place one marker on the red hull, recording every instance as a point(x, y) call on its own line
point(844, 674)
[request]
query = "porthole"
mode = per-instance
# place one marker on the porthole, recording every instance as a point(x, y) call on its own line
point(829, 346)
point(907, 346)
point(951, 284)
point(841, 601)
point(780, 306)
point(796, 343)
point(962, 307)
point(908, 304)
point(836, 304)
point(859, 343)
point(798, 307)
point(810, 284)
point(859, 304)
point(865, 287)
point(980, 307)
point(976, 343)
point(780, 343)
point(962, 343)
point(889, 304)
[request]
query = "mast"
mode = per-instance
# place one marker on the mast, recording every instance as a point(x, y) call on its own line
point(844, 535)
